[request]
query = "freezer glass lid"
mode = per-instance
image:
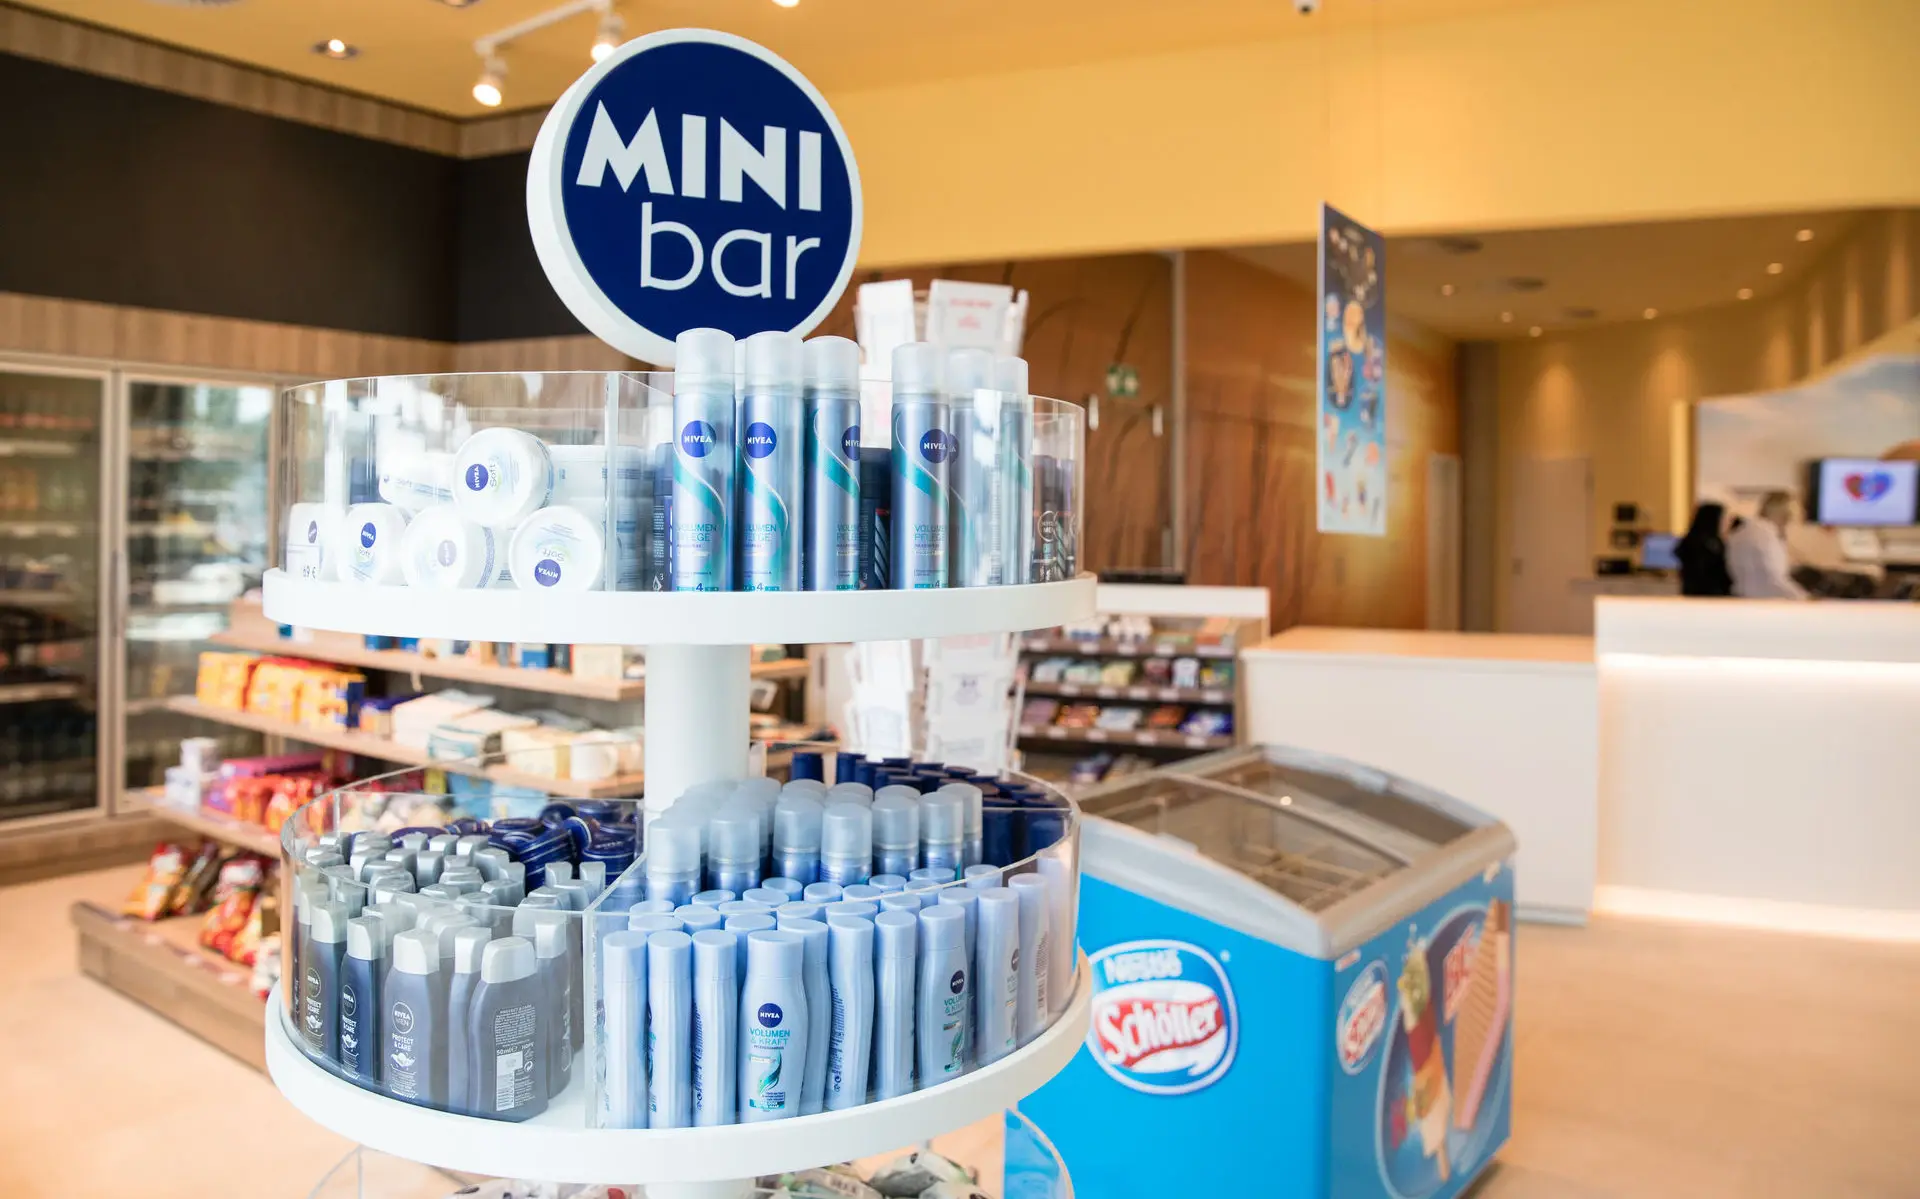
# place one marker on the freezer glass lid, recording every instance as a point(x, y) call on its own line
point(1310, 862)
point(1376, 814)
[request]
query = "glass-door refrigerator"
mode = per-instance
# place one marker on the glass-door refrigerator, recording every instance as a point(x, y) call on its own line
point(53, 556)
point(196, 526)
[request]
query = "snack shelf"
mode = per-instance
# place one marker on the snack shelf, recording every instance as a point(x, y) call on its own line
point(686, 618)
point(387, 750)
point(1164, 695)
point(1092, 647)
point(558, 1145)
point(26, 693)
point(40, 528)
point(161, 966)
point(16, 447)
point(338, 648)
point(1156, 738)
point(225, 829)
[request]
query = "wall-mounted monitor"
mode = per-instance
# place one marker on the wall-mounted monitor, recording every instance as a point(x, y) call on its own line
point(1864, 491)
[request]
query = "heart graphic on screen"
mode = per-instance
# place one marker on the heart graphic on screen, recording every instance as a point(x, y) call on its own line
point(1868, 486)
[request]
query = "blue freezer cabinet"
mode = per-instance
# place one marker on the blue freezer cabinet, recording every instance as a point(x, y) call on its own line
point(1302, 985)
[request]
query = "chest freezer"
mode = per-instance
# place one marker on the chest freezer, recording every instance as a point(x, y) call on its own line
point(1303, 985)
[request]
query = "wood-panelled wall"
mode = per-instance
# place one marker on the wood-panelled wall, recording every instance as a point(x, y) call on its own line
point(1250, 365)
point(1084, 315)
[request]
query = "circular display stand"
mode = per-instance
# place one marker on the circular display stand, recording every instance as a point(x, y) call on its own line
point(674, 617)
point(558, 1146)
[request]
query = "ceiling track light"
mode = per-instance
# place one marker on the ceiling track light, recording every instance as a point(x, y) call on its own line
point(488, 90)
point(613, 31)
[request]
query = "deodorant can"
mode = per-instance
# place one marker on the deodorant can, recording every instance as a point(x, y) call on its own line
point(1015, 473)
point(770, 520)
point(703, 461)
point(923, 449)
point(833, 464)
point(973, 413)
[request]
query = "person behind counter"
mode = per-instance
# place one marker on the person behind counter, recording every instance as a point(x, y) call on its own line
point(1757, 553)
point(1703, 554)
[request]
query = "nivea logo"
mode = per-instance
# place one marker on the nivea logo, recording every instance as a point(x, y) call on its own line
point(936, 445)
point(760, 440)
point(958, 982)
point(694, 178)
point(769, 1015)
point(850, 443)
point(1362, 1020)
point(313, 531)
point(402, 1018)
point(1164, 1020)
point(367, 534)
point(476, 477)
point(443, 553)
point(546, 572)
point(697, 438)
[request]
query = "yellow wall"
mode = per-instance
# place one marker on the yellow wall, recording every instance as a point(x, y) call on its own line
point(1609, 394)
point(1547, 114)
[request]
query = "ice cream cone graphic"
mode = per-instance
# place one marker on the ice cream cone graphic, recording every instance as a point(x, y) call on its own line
point(1429, 1099)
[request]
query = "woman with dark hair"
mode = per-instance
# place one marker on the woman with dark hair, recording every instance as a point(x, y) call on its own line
point(1703, 554)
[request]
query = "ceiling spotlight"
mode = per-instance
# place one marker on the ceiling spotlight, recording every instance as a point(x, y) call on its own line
point(1650, 313)
point(1745, 293)
point(613, 31)
point(1446, 289)
point(1506, 318)
point(333, 47)
point(1774, 268)
point(492, 76)
point(1534, 331)
point(788, 3)
point(1804, 235)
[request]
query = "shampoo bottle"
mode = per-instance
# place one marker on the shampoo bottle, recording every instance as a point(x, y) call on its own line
point(1031, 1014)
point(625, 1054)
point(503, 1027)
point(773, 1026)
point(996, 963)
point(850, 1035)
point(669, 1030)
point(895, 936)
point(414, 1036)
point(716, 1011)
point(946, 999)
point(813, 1082)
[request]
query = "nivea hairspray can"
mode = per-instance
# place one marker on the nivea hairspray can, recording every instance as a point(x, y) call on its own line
point(1014, 476)
point(922, 455)
point(833, 464)
point(972, 414)
point(703, 461)
point(770, 521)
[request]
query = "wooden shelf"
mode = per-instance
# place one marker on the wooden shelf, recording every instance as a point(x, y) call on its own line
point(225, 829)
point(1096, 647)
point(387, 750)
point(1214, 696)
point(40, 599)
point(161, 965)
point(1149, 738)
point(26, 693)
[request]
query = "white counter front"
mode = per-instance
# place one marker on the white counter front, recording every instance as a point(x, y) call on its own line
point(1760, 762)
point(1508, 724)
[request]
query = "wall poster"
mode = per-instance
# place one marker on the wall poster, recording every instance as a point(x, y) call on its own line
point(1351, 483)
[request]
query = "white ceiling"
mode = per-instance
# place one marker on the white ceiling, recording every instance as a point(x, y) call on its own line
point(1617, 271)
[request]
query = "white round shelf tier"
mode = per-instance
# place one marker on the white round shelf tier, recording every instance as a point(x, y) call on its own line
point(674, 617)
point(557, 1146)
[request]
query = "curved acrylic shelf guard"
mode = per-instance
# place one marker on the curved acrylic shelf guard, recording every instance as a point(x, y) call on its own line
point(556, 1146)
point(675, 617)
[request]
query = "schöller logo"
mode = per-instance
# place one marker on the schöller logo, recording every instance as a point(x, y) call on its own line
point(1164, 1020)
point(693, 178)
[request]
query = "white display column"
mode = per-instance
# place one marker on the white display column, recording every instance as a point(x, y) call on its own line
point(696, 718)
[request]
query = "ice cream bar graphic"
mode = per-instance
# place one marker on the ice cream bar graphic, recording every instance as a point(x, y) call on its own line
point(1429, 1102)
point(1481, 1025)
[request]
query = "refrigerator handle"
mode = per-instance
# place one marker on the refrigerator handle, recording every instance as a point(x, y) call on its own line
point(117, 592)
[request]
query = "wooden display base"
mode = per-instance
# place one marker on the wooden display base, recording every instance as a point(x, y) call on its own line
point(161, 966)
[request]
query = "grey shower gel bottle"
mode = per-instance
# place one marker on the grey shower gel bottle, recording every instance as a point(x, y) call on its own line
point(468, 945)
point(414, 1031)
point(550, 946)
point(364, 970)
point(503, 1028)
point(320, 978)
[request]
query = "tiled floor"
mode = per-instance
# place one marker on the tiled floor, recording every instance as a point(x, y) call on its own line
point(1655, 1061)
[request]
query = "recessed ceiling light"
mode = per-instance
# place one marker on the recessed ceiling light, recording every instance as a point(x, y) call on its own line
point(459, 3)
point(1650, 313)
point(333, 47)
point(493, 76)
point(1446, 289)
point(1774, 268)
point(1745, 293)
point(1506, 318)
point(1804, 235)
point(1534, 332)
point(787, 3)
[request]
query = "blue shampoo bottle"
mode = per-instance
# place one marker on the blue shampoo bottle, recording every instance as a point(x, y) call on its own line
point(773, 1027)
point(850, 1032)
point(716, 1037)
point(896, 937)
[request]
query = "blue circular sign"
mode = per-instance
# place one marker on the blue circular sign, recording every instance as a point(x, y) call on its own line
point(760, 440)
point(694, 179)
point(770, 1015)
point(697, 438)
point(937, 445)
